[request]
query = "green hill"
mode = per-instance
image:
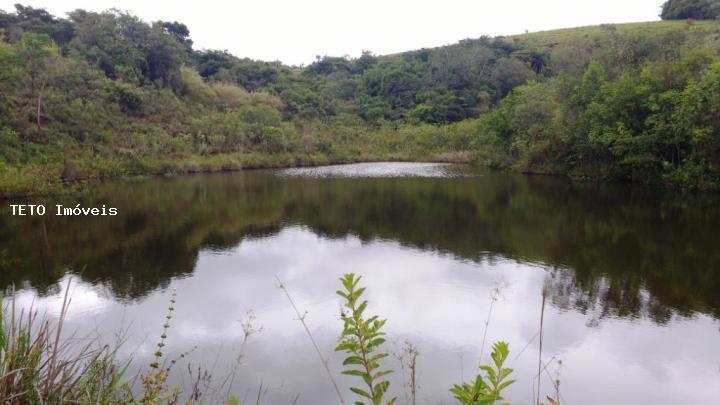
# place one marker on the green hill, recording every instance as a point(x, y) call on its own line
point(652, 28)
point(107, 94)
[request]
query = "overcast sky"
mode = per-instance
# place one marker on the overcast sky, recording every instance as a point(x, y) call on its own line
point(294, 31)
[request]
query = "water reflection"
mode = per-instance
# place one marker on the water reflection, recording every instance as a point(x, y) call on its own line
point(633, 275)
point(619, 241)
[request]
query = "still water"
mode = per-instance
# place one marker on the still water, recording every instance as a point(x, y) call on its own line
point(632, 278)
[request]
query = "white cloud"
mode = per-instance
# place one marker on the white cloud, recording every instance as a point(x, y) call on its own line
point(295, 31)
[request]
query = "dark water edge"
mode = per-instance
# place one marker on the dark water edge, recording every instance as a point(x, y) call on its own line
point(620, 263)
point(58, 179)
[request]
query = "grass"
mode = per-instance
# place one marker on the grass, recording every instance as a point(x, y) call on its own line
point(37, 365)
point(563, 36)
point(47, 179)
point(409, 143)
point(653, 28)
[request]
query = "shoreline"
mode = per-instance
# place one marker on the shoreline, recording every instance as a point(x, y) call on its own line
point(66, 180)
point(216, 164)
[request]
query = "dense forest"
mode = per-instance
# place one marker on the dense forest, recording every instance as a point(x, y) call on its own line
point(107, 94)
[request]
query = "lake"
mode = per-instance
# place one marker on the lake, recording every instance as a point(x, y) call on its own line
point(449, 254)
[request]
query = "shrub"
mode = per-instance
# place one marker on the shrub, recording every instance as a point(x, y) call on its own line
point(230, 97)
point(195, 88)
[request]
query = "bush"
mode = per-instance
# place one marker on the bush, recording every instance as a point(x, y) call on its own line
point(230, 97)
point(9, 146)
point(195, 88)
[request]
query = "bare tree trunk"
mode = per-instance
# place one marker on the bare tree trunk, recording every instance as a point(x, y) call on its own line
point(37, 114)
point(39, 103)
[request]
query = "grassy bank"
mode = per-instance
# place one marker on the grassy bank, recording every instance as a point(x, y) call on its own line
point(31, 180)
point(316, 146)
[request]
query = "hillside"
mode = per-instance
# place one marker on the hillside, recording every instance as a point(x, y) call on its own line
point(699, 29)
point(107, 94)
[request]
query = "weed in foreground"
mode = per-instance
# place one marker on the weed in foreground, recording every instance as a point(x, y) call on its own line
point(38, 365)
point(361, 339)
point(487, 389)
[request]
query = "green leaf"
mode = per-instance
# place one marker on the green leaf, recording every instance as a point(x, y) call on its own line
point(360, 309)
point(377, 342)
point(368, 379)
point(505, 384)
point(352, 360)
point(355, 373)
point(488, 370)
point(479, 384)
point(360, 392)
point(378, 357)
point(382, 373)
point(345, 346)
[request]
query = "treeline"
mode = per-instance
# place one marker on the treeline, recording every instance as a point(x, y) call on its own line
point(107, 94)
point(658, 120)
point(435, 86)
point(98, 76)
point(693, 9)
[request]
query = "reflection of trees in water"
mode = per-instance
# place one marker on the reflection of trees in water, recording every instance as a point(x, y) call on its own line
point(157, 237)
point(632, 252)
point(604, 298)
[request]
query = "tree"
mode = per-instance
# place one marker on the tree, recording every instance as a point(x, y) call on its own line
point(699, 116)
point(365, 61)
point(397, 82)
point(127, 48)
point(307, 104)
point(508, 74)
point(695, 9)
point(210, 62)
point(9, 74)
point(326, 65)
point(34, 53)
point(39, 21)
point(108, 42)
point(461, 67)
point(164, 54)
point(440, 109)
point(180, 31)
